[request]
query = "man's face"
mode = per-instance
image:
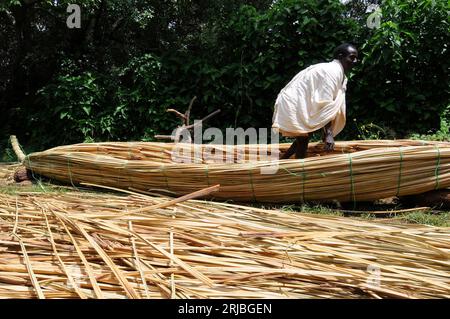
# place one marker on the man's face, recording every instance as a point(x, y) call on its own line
point(351, 58)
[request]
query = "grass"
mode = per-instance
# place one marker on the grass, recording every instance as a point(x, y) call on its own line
point(441, 219)
point(34, 188)
point(38, 186)
point(443, 134)
point(312, 209)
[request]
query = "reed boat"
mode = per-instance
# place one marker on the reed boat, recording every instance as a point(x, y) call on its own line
point(354, 171)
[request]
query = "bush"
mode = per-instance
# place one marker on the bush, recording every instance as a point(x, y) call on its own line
point(441, 134)
point(115, 79)
point(95, 107)
point(402, 82)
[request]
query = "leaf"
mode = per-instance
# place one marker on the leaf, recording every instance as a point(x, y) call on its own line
point(87, 109)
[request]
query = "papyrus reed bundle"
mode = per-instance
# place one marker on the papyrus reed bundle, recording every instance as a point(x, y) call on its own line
point(357, 171)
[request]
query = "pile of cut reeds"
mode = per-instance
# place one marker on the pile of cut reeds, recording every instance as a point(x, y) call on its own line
point(67, 245)
point(381, 169)
point(7, 171)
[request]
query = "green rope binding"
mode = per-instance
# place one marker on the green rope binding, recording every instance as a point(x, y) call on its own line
point(436, 171)
point(302, 174)
point(251, 183)
point(27, 158)
point(400, 172)
point(352, 185)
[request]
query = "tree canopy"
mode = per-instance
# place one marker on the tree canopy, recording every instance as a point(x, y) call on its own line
point(113, 78)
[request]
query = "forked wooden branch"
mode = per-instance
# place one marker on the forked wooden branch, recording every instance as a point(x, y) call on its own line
point(163, 137)
point(182, 116)
point(185, 119)
point(188, 112)
point(207, 117)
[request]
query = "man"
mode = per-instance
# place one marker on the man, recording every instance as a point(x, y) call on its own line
point(313, 100)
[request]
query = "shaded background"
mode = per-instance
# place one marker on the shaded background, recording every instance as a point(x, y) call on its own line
point(114, 78)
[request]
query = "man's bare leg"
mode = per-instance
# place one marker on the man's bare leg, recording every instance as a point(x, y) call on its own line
point(299, 147)
point(291, 150)
point(302, 146)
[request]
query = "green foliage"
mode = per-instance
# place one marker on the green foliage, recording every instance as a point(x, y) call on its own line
point(36, 187)
point(94, 107)
point(442, 134)
point(73, 102)
point(114, 78)
point(255, 54)
point(439, 220)
point(319, 209)
point(402, 81)
point(8, 155)
point(371, 131)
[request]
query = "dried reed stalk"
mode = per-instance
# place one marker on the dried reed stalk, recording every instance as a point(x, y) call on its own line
point(83, 245)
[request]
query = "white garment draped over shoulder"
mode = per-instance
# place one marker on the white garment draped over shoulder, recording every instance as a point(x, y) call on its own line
point(313, 98)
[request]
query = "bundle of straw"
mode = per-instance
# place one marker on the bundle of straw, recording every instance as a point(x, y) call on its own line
point(7, 171)
point(103, 246)
point(164, 152)
point(375, 173)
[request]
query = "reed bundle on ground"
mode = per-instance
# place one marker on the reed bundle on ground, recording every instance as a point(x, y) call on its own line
point(69, 245)
point(381, 169)
point(7, 171)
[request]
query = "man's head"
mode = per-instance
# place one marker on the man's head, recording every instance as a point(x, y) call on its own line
point(347, 54)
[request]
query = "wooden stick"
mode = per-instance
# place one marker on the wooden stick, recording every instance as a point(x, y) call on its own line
point(188, 127)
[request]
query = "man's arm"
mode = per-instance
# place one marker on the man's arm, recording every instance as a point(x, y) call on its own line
point(328, 138)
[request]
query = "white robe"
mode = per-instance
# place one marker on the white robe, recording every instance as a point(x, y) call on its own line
point(313, 98)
